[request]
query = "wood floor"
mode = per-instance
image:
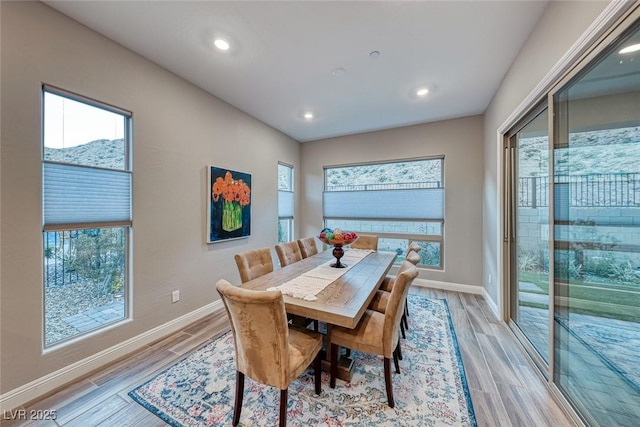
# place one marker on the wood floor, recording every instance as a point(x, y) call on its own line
point(505, 389)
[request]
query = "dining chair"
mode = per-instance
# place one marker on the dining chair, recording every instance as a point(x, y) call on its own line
point(366, 241)
point(387, 283)
point(413, 246)
point(414, 258)
point(288, 253)
point(267, 349)
point(376, 333)
point(308, 246)
point(252, 264)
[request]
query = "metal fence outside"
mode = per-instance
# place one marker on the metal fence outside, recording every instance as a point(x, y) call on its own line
point(614, 190)
point(385, 186)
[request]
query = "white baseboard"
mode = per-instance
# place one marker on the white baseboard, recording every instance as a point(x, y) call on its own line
point(491, 303)
point(31, 391)
point(448, 286)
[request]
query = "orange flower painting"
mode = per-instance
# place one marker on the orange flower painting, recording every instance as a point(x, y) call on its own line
point(230, 204)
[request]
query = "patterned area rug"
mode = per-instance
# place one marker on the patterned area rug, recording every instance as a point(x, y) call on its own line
point(431, 389)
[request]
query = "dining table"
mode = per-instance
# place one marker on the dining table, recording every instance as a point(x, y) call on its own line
point(342, 303)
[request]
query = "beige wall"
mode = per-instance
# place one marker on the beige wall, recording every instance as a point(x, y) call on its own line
point(459, 140)
point(178, 130)
point(560, 26)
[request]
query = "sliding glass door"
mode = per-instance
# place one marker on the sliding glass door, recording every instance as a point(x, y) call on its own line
point(528, 158)
point(596, 257)
point(572, 233)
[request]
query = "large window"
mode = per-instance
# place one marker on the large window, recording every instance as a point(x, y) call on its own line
point(86, 214)
point(399, 201)
point(285, 203)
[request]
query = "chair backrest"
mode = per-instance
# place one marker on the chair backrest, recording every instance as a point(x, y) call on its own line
point(308, 246)
point(252, 264)
point(366, 241)
point(260, 333)
point(288, 253)
point(413, 257)
point(413, 246)
point(395, 306)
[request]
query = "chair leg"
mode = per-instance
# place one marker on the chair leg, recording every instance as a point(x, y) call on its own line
point(317, 370)
point(399, 350)
point(334, 365)
point(239, 392)
point(284, 400)
point(402, 329)
point(406, 308)
point(395, 360)
point(404, 319)
point(387, 381)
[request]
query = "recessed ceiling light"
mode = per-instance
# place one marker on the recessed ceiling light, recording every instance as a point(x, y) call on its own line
point(374, 54)
point(422, 92)
point(630, 49)
point(308, 115)
point(338, 71)
point(221, 44)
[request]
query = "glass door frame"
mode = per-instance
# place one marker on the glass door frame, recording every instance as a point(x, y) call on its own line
point(510, 239)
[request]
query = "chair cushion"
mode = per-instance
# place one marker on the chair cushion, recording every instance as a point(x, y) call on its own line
point(366, 337)
point(304, 344)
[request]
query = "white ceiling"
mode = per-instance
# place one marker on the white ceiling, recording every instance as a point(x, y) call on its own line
point(283, 55)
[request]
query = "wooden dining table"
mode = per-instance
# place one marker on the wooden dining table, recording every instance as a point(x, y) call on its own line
point(342, 303)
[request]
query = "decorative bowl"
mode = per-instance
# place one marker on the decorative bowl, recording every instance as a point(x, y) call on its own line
point(337, 237)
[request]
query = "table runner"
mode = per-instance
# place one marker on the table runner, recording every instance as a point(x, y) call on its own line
point(309, 284)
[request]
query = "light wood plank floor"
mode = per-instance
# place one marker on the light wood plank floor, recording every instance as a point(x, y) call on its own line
point(505, 389)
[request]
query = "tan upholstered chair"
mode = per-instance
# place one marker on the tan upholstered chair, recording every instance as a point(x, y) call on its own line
point(376, 333)
point(252, 264)
point(387, 284)
point(366, 241)
point(381, 297)
point(413, 246)
point(288, 253)
point(308, 246)
point(267, 350)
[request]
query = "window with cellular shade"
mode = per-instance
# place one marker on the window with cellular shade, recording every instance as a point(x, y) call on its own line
point(86, 214)
point(285, 203)
point(398, 201)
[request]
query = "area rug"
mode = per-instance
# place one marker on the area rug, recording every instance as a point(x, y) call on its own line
point(431, 389)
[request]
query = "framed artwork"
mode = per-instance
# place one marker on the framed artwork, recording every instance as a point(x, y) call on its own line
point(229, 204)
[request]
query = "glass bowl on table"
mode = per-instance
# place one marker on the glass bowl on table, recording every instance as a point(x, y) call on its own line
point(337, 238)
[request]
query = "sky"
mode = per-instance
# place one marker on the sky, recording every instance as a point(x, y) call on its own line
point(68, 123)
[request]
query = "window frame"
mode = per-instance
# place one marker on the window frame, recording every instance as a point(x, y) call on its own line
point(410, 237)
point(288, 219)
point(77, 226)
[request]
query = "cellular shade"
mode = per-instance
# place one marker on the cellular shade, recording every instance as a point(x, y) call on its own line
point(413, 204)
point(79, 194)
point(285, 204)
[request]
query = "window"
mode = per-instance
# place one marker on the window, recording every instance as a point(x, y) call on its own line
point(86, 214)
point(400, 202)
point(285, 203)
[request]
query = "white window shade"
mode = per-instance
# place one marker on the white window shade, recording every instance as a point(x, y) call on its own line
point(285, 204)
point(79, 195)
point(411, 204)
